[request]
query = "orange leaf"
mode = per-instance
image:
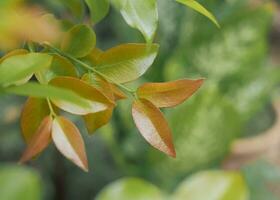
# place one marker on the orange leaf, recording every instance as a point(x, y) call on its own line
point(97, 100)
point(169, 94)
point(95, 121)
point(34, 111)
point(39, 141)
point(153, 126)
point(68, 140)
point(118, 94)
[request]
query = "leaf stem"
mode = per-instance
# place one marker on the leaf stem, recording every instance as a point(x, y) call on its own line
point(133, 92)
point(52, 113)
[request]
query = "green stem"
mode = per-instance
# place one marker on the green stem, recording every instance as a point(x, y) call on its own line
point(91, 69)
point(52, 113)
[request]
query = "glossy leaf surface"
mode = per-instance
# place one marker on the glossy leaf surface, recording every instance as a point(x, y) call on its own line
point(39, 141)
point(97, 101)
point(34, 111)
point(127, 62)
point(169, 94)
point(98, 9)
point(199, 8)
point(142, 15)
point(79, 41)
point(18, 67)
point(153, 126)
point(69, 141)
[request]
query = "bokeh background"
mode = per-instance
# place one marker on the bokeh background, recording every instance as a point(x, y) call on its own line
point(227, 135)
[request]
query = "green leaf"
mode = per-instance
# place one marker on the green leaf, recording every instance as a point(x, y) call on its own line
point(47, 91)
point(213, 185)
point(142, 15)
point(19, 183)
point(98, 9)
point(79, 41)
point(127, 62)
point(130, 188)
point(19, 67)
point(75, 6)
point(199, 8)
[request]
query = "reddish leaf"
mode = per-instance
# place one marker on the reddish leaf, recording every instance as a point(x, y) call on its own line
point(39, 141)
point(153, 126)
point(169, 94)
point(68, 140)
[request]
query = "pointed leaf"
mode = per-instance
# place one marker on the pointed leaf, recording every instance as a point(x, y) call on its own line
point(97, 101)
point(34, 111)
point(98, 9)
point(127, 62)
point(18, 67)
point(69, 141)
point(169, 94)
point(60, 67)
point(79, 41)
point(142, 15)
point(39, 141)
point(48, 91)
point(199, 8)
point(153, 126)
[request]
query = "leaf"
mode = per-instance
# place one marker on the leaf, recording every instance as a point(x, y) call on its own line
point(48, 91)
point(20, 67)
point(142, 15)
point(97, 101)
point(127, 62)
point(79, 41)
point(98, 9)
point(39, 141)
point(130, 188)
point(118, 94)
point(213, 185)
point(34, 111)
point(69, 141)
point(169, 94)
point(14, 53)
point(95, 121)
point(199, 8)
point(60, 67)
point(92, 58)
point(153, 126)
point(75, 6)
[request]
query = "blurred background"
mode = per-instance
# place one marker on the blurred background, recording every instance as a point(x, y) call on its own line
point(227, 136)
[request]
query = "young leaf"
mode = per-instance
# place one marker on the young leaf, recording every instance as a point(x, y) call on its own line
point(39, 141)
point(34, 111)
point(169, 94)
point(69, 141)
point(199, 8)
point(48, 91)
point(19, 67)
point(153, 126)
point(142, 15)
point(127, 62)
point(60, 67)
point(98, 9)
point(79, 41)
point(97, 100)
point(95, 121)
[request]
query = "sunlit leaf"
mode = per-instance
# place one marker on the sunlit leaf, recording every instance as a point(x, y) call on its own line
point(142, 15)
point(153, 126)
point(48, 91)
point(213, 185)
point(34, 111)
point(199, 8)
point(127, 62)
point(98, 9)
point(39, 141)
point(97, 100)
point(60, 67)
point(69, 141)
point(79, 41)
point(18, 67)
point(130, 188)
point(169, 94)
point(14, 53)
